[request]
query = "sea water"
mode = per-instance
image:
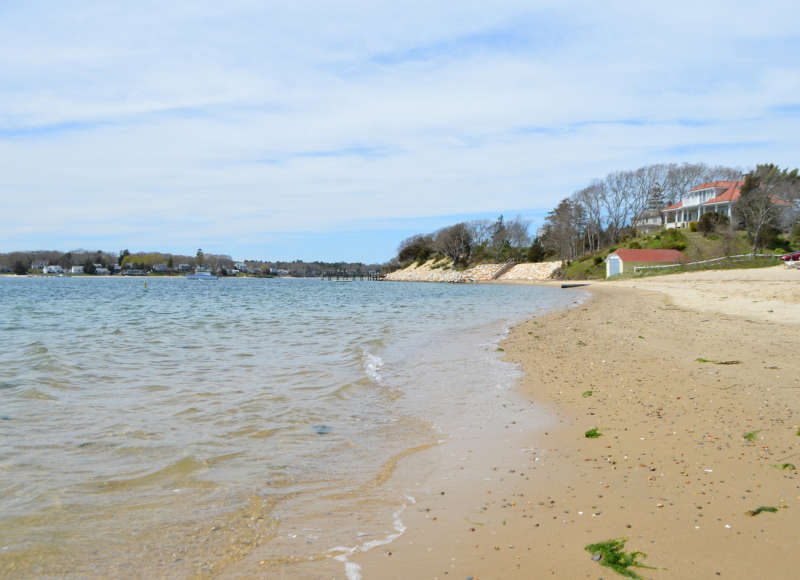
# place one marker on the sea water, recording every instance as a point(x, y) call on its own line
point(182, 428)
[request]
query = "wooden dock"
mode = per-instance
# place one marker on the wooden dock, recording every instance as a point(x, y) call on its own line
point(352, 276)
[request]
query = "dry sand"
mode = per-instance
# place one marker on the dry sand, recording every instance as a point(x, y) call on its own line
point(672, 471)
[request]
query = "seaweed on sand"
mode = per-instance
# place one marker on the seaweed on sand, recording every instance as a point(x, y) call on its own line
point(611, 555)
point(763, 508)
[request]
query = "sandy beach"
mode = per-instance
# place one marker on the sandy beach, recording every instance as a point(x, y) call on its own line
point(694, 383)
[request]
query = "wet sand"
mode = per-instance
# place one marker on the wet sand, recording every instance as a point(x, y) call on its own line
point(673, 472)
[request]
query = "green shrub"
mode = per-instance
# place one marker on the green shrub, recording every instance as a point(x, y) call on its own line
point(635, 246)
point(709, 222)
point(692, 226)
point(20, 269)
point(598, 260)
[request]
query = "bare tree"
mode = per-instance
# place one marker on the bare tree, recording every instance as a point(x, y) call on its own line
point(517, 233)
point(681, 178)
point(647, 191)
point(481, 231)
point(590, 200)
point(616, 201)
point(455, 242)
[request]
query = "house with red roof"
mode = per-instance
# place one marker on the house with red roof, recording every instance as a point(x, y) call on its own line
point(718, 196)
point(624, 260)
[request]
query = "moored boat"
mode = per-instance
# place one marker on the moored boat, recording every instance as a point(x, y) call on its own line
point(201, 276)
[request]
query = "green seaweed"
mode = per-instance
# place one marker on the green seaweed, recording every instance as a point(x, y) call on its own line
point(612, 556)
point(500, 349)
point(751, 436)
point(640, 336)
point(718, 362)
point(587, 393)
point(592, 433)
point(763, 508)
point(788, 466)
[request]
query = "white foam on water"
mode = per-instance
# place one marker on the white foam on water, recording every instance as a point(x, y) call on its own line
point(353, 570)
point(372, 366)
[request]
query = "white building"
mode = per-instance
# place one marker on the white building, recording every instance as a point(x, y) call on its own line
point(76, 270)
point(719, 197)
point(651, 221)
point(53, 270)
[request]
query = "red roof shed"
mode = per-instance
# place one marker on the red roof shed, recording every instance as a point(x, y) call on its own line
point(616, 261)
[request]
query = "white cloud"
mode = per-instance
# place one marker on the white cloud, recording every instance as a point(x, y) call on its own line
point(244, 119)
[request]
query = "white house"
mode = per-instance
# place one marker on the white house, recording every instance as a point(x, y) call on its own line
point(76, 270)
point(53, 269)
point(719, 197)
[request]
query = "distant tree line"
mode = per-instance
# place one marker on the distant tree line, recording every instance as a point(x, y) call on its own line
point(23, 262)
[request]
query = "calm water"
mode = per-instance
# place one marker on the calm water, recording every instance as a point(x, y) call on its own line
point(183, 428)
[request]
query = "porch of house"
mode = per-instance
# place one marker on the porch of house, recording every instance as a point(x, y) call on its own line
point(681, 216)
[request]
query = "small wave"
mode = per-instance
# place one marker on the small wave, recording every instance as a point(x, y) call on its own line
point(37, 394)
point(372, 367)
point(353, 570)
point(175, 472)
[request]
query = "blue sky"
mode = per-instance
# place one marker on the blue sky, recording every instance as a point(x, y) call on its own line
point(332, 130)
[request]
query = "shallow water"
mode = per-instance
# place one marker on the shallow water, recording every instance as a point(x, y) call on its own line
point(178, 429)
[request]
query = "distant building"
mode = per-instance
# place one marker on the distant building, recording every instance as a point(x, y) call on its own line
point(161, 268)
point(183, 268)
point(76, 270)
point(242, 267)
point(624, 260)
point(650, 221)
point(53, 269)
point(101, 270)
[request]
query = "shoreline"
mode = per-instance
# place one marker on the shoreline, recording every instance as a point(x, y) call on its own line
point(673, 472)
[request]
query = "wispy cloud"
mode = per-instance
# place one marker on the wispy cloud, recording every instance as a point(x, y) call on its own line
point(251, 124)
